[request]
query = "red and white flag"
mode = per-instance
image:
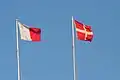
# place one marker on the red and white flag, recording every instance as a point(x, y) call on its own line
point(29, 34)
point(83, 32)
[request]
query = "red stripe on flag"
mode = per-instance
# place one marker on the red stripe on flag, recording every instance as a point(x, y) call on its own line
point(89, 38)
point(88, 28)
point(35, 34)
point(80, 36)
point(78, 25)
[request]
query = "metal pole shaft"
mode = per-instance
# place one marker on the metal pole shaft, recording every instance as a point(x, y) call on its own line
point(18, 55)
point(73, 49)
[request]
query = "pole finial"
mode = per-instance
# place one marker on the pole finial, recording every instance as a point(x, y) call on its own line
point(17, 19)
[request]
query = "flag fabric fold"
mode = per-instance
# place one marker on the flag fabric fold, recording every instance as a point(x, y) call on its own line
point(29, 33)
point(83, 32)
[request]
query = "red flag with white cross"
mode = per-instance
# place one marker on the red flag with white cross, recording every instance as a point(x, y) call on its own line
point(83, 32)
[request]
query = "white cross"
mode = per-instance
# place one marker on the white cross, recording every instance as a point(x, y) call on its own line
point(84, 31)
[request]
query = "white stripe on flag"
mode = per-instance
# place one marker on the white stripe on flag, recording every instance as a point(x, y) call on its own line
point(24, 32)
point(83, 31)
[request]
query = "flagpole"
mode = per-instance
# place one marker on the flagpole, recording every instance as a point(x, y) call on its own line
point(73, 50)
point(18, 55)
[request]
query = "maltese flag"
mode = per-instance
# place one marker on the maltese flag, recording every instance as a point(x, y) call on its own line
point(29, 34)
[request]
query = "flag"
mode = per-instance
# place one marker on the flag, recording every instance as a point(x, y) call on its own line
point(83, 32)
point(29, 33)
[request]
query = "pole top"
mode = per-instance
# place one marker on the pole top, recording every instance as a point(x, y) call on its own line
point(72, 18)
point(17, 19)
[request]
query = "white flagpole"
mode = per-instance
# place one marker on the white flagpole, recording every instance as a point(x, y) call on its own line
point(18, 55)
point(73, 49)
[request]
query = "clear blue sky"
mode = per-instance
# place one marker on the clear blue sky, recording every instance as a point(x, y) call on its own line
point(51, 59)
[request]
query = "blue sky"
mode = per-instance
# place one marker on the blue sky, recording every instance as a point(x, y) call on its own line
point(51, 59)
